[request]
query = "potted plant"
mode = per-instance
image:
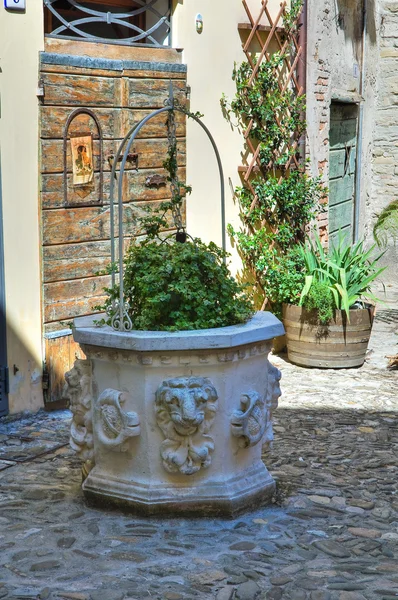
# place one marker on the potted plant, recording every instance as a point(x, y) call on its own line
point(175, 398)
point(172, 286)
point(330, 325)
point(172, 415)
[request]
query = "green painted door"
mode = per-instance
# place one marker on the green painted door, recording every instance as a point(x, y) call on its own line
point(342, 163)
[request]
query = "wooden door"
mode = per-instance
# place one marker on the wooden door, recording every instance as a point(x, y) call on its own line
point(342, 164)
point(120, 88)
point(3, 349)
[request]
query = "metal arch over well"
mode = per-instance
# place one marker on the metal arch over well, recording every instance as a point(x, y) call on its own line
point(120, 319)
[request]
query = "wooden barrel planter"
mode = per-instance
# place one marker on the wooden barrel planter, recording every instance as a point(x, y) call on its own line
point(337, 345)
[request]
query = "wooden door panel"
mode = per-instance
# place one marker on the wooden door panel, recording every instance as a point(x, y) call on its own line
point(75, 237)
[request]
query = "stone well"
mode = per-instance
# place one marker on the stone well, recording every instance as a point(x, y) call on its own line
point(175, 422)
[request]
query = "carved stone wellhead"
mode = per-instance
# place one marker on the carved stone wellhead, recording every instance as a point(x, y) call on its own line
point(175, 422)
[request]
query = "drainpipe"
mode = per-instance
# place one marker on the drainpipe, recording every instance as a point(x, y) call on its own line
point(360, 125)
point(302, 65)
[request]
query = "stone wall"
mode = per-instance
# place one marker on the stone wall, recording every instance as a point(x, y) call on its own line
point(385, 139)
point(338, 56)
point(334, 57)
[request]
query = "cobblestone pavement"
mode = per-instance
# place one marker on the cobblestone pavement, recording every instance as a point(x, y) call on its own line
point(331, 534)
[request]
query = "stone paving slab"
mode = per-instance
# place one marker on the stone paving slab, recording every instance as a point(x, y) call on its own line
point(330, 534)
point(46, 426)
point(5, 464)
point(26, 449)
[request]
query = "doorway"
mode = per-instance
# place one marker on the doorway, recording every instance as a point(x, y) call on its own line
point(342, 167)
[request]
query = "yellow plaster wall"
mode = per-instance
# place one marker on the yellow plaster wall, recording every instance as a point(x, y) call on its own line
point(21, 39)
point(210, 58)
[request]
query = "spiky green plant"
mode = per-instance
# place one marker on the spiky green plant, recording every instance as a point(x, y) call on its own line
point(347, 271)
point(386, 225)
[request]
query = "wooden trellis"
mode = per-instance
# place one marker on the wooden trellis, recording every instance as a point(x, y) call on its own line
point(288, 44)
point(274, 31)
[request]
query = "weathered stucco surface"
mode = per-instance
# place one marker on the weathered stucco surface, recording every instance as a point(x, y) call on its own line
point(385, 143)
point(21, 40)
point(338, 56)
point(333, 73)
point(210, 58)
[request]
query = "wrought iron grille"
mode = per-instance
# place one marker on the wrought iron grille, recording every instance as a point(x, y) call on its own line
point(127, 22)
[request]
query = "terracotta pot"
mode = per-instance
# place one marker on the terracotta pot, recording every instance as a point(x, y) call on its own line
point(338, 345)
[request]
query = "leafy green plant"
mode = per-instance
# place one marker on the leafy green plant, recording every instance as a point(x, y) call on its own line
point(347, 271)
point(290, 16)
point(281, 275)
point(275, 112)
point(179, 286)
point(386, 225)
point(320, 298)
point(284, 204)
point(284, 278)
point(172, 285)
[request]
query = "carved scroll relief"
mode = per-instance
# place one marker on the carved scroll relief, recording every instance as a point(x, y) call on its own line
point(272, 395)
point(113, 426)
point(78, 390)
point(185, 410)
point(249, 421)
point(252, 422)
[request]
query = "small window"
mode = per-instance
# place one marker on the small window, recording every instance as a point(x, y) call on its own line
point(141, 22)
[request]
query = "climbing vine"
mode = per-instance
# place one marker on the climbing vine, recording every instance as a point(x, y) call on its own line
point(156, 219)
point(290, 18)
point(279, 199)
point(276, 113)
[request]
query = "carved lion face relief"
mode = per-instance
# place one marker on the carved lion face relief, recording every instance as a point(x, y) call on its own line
point(78, 390)
point(188, 403)
point(185, 410)
point(273, 391)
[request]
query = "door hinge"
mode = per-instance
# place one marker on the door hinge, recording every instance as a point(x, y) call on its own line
point(45, 383)
point(45, 379)
point(40, 89)
point(4, 379)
